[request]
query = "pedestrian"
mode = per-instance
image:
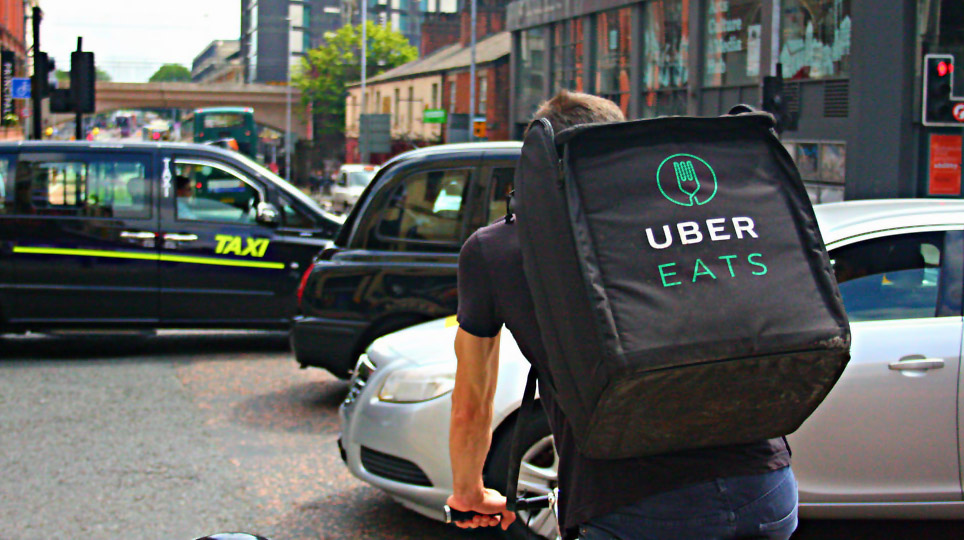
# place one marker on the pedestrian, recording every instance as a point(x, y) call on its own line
point(745, 490)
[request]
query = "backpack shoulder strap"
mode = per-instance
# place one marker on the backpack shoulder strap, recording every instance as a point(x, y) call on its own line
point(515, 450)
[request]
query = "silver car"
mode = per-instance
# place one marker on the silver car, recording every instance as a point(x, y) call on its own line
point(884, 444)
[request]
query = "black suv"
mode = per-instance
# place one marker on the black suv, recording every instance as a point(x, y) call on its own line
point(395, 261)
point(149, 235)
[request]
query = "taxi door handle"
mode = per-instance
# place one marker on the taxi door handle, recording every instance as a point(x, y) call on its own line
point(137, 235)
point(180, 237)
point(916, 362)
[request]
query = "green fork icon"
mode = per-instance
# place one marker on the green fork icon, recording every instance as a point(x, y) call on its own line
point(686, 178)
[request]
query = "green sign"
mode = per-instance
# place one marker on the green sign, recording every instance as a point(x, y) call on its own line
point(434, 116)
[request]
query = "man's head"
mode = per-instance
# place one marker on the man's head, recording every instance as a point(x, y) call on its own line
point(182, 186)
point(567, 109)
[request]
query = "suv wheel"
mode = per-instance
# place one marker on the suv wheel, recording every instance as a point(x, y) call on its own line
point(538, 475)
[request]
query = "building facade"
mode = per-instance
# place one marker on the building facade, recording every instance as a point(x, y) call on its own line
point(851, 74)
point(13, 63)
point(219, 62)
point(276, 34)
point(406, 16)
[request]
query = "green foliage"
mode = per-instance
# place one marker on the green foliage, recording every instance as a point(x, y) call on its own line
point(327, 70)
point(171, 73)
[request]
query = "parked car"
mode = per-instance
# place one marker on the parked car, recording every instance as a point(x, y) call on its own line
point(350, 183)
point(394, 262)
point(98, 235)
point(884, 444)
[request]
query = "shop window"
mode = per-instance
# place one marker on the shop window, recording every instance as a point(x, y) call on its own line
point(567, 55)
point(612, 56)
point(732, 42)
point(665, 58)
point(815, 38)
point(483, 93)
point(532, 65)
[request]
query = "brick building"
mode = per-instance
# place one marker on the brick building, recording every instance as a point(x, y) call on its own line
point(14, 64)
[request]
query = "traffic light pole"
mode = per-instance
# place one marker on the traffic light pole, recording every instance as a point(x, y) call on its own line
point(78, 116)
point(36, 99)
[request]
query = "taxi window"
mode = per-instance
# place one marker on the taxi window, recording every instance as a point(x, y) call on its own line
point(499, 187)
point(293, 218)
point(425, 207)
point(6, 183)
point(208, 192)
point(105, 187)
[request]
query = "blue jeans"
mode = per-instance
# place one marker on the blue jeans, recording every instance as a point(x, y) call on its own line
point(758, 506)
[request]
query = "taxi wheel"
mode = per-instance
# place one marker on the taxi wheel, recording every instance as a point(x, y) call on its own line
point(537, 476)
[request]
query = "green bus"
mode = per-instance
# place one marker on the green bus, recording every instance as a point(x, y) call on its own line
point(221, 123)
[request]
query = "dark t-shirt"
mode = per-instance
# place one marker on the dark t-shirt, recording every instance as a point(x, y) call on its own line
point(492, 292)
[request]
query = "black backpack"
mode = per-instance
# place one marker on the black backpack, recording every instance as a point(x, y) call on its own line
point(682, 289)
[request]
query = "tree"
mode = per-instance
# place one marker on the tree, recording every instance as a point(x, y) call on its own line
point(327, 70)
point(64, 75)
point(171, 73)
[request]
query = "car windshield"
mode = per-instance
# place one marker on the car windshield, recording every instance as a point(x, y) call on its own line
point(288, 188)
point(360, 178)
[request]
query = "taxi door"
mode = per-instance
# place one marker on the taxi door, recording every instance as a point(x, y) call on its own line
point(218, 265)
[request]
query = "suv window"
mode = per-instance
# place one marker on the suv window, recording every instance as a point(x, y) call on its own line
point(895, 277)
point(209, 192)
point(500, 187)
point(293, 218)
point(96, 186)
point(426, 206)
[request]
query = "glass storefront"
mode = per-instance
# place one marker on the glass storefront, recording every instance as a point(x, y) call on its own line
point(531, 72)
point(612, 56)
point(732, 42)
point(665, 55)
point(567, 55)
point(815, 38)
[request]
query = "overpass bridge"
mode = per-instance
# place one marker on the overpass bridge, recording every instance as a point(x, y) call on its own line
point(267, 100)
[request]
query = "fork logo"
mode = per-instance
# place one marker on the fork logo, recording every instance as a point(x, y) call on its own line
point(690, 181)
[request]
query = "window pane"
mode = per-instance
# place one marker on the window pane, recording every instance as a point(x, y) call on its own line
point(6, 184)
point(98, 188)
point(501, 186)
point(567, 55)
point(426, 206)
point(612, 56)
point(208, 193)
point(733, 39)
point(815, 38)
point(294, 218)
point(532, 63)
point(890, 278)
point(666, 45)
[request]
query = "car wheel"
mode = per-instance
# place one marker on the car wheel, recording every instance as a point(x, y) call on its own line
point(538, 475)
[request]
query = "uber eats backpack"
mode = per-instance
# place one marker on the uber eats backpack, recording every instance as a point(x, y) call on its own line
point(682, 289)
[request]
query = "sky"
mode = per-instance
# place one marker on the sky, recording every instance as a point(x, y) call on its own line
point(130, 39)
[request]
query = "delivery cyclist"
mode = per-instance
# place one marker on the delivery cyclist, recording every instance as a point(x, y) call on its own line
point(745, 490)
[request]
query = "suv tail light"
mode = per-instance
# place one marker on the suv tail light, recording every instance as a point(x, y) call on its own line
point(304, 281)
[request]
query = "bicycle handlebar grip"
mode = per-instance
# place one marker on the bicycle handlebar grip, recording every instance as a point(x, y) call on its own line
point(533, 503)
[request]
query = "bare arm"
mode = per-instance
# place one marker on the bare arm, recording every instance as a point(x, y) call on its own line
point(470, 432)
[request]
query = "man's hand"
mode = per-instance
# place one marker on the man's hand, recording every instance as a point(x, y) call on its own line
point(488, 501)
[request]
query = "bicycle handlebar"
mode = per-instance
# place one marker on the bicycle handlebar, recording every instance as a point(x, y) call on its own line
point(523, 503)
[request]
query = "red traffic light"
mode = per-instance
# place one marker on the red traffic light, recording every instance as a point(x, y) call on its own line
point(943, 68)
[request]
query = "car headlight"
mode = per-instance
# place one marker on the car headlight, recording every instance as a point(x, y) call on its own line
point(418, 384)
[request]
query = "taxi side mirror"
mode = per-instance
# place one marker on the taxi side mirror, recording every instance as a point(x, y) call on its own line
point(268, 214)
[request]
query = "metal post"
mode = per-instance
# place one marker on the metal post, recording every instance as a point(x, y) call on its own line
point(35, 98)
point(363, 135)
point(78, 116)
point(288, 105)
point(472, 80)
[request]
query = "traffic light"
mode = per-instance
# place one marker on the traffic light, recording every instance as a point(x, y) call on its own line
point(43, 68)
point(82, 79)
point(940, 107)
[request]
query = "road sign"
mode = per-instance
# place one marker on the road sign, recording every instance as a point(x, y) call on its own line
point(434, 116)
point(959, 112)
point(20, 88)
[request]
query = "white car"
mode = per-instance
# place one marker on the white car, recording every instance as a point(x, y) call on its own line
point(885, 443)
point(351, 182)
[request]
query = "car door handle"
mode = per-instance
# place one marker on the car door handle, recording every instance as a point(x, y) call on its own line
point(917, 362)
point(137, 235)
point(180, 237)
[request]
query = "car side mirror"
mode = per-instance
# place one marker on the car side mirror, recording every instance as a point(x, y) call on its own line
point(268, 214)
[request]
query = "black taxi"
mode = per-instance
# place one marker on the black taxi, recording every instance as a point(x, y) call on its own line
point(395, 261)
point(149, 235)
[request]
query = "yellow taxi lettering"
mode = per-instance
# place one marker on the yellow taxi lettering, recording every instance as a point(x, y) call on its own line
point(233, 246)
point(252, 247)
point(256, 247)
point(222, 239)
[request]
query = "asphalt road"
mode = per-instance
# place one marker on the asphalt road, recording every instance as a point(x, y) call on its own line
point(181, 435)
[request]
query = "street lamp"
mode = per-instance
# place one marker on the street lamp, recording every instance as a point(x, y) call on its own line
point(288, 106)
